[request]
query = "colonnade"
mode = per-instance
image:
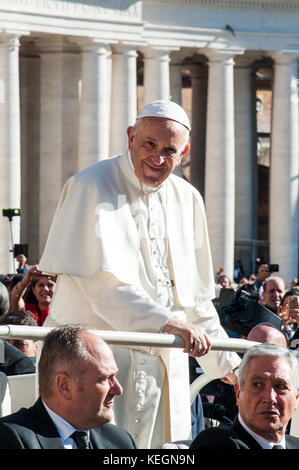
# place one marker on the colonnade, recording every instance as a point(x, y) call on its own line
point(79, 95)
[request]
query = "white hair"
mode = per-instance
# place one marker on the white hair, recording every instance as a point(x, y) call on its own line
point(269, 350)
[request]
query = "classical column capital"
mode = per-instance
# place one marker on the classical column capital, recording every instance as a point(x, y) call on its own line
point(95, 45)
point(157, 52)
point(285, 57)
point(12, 37)
point(10, 40)
point(222, 55)
point(177, 57)
point(127, 49)
point(245, 61)
point(56, 45)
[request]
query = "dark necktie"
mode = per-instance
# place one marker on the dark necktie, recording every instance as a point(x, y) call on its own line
point(81, 439)
point(277, 447)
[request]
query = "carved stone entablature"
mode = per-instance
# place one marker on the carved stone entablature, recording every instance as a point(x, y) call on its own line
point(254, 4)
point(103, 19)
point(83, 8)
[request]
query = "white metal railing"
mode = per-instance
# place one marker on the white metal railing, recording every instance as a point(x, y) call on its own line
point(159, 340)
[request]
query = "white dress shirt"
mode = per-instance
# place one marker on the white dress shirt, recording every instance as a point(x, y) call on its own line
point(264, 443)
point(65, 429)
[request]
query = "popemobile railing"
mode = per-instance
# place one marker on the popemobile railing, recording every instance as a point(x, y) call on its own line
point(157, 340)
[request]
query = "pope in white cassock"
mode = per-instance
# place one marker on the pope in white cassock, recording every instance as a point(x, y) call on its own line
point(129, 242)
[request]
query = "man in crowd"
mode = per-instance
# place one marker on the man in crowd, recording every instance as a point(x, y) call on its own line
point(273, 291)
point(21, 317)
point(77, 387)
point(263, 273)
point(267, 392)
point(267, 333)
point(129, 242)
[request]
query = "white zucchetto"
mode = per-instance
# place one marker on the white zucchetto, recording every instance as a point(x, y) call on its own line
point(166, 109)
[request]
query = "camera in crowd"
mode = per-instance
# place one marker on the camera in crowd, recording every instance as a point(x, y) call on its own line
point(273, 268)
point(240, 311)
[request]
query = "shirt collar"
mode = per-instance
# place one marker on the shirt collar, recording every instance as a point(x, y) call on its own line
point(264, 443)
point(64, 428)
point(130, 173)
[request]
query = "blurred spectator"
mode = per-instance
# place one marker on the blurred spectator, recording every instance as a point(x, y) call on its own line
point(15, 361)
point(238, 271)
point(21, 317)
point(34, 293)
point(11, 280)
point(273, 291)
point(250, 288)
point(289, 312)
point(219, 273)
point(267, 333)
point(294, 282)
point(4, 299)
point(252, 278)
point(242, 282)
point(23, 267)
point(224, 281)
point(262, 274)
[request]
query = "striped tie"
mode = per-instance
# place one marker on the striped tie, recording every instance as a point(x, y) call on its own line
point(81, 439)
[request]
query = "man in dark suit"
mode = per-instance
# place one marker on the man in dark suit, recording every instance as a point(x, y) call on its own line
point(77, 386)
point(266, 392)
point(15, 362)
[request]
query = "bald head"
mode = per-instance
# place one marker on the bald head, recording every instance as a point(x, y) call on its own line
point(267, 334)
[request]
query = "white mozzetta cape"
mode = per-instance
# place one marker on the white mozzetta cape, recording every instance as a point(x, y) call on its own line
point(95, 228)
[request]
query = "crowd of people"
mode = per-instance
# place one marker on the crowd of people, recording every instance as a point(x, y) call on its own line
point(130, 242)
point(278, 295)
point(25, 299)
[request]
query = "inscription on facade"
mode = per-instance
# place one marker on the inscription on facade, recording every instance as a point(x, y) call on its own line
point(76, 8)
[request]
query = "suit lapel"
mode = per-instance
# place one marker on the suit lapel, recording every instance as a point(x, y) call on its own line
point(292, 442)
point(46, 431)
point(244, 435)
point(97, 440)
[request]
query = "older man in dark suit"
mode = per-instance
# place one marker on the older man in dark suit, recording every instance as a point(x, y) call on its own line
point(267, 392)
point(77, 385)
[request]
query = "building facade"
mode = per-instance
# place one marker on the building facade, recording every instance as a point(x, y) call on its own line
point(74, 73)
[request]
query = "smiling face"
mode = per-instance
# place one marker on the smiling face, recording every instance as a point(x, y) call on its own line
point(157, 146)
point(273, 293)
point(43, 291)
point(268, 397)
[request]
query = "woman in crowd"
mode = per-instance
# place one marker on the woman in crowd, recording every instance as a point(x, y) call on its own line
point(34, 293)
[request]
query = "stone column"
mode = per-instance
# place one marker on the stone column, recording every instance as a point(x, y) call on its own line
point(175, 76)
point(220, 159)
point(123, 95)
point(175, 80)
point(284, 167)
point(59, 125)
point(30, 147)
point(246, 161)
point(156, 74)
point(94, 120)
point(199, 78)
point(10, 163)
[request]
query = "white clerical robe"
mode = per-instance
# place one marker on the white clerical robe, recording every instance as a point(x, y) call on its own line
point(130, 258)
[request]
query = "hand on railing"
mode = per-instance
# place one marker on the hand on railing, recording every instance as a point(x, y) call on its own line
point(196, 341)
